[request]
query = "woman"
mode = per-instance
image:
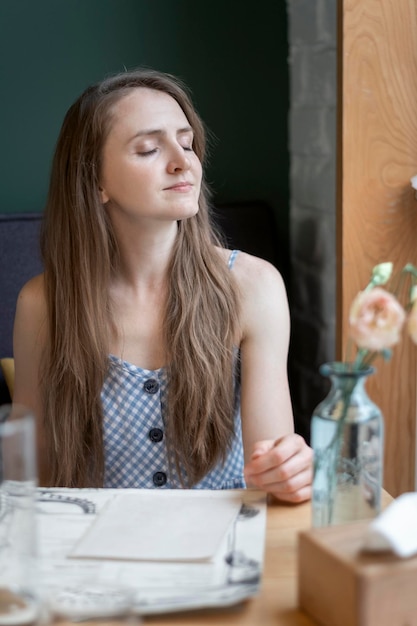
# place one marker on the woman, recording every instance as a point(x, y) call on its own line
point(144, 340)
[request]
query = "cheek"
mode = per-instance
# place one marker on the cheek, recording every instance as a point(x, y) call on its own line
point(121, 179)
point(198, 170)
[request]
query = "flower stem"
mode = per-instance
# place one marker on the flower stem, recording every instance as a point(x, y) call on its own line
point(333, 448)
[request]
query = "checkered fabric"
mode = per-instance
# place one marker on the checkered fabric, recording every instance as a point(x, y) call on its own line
point(134, 401)
point(134, 434)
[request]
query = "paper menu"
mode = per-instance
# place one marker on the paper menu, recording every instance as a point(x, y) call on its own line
point(181, 526)
point(233, 575)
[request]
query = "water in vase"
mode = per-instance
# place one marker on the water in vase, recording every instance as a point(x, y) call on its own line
point(348, 469)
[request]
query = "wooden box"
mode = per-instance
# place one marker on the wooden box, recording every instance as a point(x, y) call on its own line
point(341, 585)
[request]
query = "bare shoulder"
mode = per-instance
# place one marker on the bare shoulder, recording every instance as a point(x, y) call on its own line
point(264, 301)
point(31, 302)
point(33, 292)
point(256, 276)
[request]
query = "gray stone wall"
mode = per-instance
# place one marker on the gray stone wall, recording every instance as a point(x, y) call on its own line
point(312, 147)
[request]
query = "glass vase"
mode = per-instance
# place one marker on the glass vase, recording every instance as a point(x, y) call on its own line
point(347, 439)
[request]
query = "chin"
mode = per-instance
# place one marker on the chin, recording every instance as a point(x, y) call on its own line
point(185, 213)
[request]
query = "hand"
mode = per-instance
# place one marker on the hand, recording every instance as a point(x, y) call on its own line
point(283, 467)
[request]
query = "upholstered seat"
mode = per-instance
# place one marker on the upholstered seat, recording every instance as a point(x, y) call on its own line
point(7, 367)
point(19, 261)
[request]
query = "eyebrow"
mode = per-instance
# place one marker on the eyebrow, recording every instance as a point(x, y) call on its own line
point(157, 131)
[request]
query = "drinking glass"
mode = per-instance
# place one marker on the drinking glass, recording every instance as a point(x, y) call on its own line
point(93, 602)
point(18, 588)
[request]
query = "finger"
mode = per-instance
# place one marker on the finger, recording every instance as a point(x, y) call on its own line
point(288, 473)
point(292, 490)
point(283, 449)
point(262, 447)
point(296, 497)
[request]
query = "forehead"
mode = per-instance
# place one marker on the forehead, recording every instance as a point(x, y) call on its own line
point(145, 108)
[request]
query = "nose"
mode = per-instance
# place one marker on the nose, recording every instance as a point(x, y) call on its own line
point(178, 161)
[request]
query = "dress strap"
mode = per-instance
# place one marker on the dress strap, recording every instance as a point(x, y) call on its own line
point(232, 259)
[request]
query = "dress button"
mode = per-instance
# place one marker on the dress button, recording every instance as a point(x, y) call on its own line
point(156, 435)
point(159, 479)
point(151, 385)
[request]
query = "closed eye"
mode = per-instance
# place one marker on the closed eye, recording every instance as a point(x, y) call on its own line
point(147, 152)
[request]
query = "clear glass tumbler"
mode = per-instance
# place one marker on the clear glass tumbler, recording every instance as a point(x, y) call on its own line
point(103, 603)
point(18, 476)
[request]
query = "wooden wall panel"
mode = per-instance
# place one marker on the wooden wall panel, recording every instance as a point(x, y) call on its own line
point(377, 209)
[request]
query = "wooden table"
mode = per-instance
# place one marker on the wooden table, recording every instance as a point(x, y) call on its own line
point(276, 605)
point(277, 602)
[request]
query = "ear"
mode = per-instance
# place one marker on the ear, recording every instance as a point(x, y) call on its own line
point(103, 195)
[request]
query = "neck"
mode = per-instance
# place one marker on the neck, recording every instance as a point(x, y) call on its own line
point(145, 251)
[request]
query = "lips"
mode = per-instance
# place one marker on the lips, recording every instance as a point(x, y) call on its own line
point(182, 186)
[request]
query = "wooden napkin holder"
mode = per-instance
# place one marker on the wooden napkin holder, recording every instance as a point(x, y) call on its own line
point(341, 585)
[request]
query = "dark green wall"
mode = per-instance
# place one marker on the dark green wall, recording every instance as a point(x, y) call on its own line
point(233, 55)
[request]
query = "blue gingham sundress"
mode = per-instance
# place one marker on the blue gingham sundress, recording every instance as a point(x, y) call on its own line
point(136, 456)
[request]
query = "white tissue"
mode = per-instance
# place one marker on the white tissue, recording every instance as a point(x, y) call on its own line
point(395, 528)
point(413, 181)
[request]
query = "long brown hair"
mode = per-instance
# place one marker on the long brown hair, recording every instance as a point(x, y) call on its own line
point(80, 254)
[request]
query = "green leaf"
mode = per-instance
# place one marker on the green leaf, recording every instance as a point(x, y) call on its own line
point(386, 354)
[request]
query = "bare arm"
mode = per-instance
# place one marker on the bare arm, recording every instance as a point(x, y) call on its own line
point(277, 460)
point(28, 342)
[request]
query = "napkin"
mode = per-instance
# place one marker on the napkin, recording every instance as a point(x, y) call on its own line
point(395, 528)
point(413, 181)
